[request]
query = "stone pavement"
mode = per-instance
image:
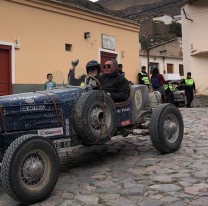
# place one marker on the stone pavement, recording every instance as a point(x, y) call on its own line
point(130, 172)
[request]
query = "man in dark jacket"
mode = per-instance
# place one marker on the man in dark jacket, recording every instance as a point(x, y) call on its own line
point(120, 70)
point(114, 84)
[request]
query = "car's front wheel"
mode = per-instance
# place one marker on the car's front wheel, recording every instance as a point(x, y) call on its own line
point(30, 169)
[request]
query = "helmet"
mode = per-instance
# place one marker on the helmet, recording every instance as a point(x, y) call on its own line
point(94, 64)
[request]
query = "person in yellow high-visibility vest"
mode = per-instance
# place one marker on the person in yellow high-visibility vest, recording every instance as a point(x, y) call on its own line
point(143, 77)
point(189, 88)
point(169, 93)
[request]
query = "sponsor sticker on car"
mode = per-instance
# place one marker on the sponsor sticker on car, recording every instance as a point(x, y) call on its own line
point(125, 123)
point(50, 132)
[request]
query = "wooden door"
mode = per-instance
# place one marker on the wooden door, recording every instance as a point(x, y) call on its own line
point(169, 68)
point(5, 70)
point(104, 56)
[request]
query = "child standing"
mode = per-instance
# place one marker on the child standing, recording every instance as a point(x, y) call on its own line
point(50, 84)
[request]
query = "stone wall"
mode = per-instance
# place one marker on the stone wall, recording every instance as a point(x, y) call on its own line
point(161, 28)
point(171, 49)
point(147, 28)
point(153, 28)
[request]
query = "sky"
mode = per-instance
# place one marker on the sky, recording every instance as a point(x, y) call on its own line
point(94, 0)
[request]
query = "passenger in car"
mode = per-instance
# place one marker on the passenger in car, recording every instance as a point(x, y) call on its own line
point(114, 84)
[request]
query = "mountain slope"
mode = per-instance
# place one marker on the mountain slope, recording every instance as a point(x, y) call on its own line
point(142, 8)
point(122, 4)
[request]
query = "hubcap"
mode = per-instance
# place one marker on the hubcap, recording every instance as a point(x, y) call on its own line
point(171, 128)
point(97, 117)
point(37, 170)
point(33, 169)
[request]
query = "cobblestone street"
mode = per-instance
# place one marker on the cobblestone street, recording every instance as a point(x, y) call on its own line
point(130, 172)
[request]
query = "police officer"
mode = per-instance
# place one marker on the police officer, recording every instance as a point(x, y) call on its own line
point(169, 93)
point(120, 67)
point(143, 77)
point(189, 87)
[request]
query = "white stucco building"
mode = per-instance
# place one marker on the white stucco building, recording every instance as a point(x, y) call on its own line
point(195, 42)
point(167, 57)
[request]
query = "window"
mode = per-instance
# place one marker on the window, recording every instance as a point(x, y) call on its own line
point(170, 68)
point(68, 47)
point(152, 66)
point(162, 53)
point(181, 70)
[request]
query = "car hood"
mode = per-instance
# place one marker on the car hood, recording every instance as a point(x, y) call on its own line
point(35, 110)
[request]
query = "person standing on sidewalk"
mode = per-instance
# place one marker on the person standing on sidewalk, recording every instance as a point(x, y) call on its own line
point(50, 84)
point(143, 77)
point(120, 70)
point(189, 88)
point(169, 93)
point(157, 81)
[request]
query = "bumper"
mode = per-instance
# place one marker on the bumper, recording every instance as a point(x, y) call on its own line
point(179, 100)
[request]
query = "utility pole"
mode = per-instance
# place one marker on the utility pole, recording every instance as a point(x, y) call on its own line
point(148, 39)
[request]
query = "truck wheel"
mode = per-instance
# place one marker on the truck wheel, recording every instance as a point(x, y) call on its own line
point(166, 128)
point(88, 117)
point(30, 169)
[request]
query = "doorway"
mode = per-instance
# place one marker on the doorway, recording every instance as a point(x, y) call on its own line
point(5, 70)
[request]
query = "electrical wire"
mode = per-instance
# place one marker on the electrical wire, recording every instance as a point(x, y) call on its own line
point(202, 12)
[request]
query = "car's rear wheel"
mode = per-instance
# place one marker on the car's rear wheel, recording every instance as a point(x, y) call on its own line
point(166, 128)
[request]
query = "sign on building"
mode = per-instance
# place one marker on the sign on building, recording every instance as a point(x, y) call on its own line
point(108, 42)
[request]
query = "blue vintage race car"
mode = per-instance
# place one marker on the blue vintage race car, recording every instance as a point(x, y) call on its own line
point(33, 126)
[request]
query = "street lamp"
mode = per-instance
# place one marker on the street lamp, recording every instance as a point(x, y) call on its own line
point(87, 35)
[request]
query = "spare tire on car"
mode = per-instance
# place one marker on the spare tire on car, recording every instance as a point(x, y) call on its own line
point(89, 117)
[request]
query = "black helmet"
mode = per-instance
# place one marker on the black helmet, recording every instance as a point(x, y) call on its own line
point(94, 64)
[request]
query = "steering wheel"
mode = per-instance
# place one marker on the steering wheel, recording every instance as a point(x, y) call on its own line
point(99, 85)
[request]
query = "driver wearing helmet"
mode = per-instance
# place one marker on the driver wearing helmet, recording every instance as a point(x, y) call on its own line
point(92, 68)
